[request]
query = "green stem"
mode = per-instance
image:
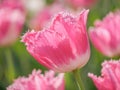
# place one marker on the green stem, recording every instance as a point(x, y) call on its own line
point(78, 79)
point(10, 73)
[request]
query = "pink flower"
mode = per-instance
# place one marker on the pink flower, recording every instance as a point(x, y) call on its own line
point(11, 23)
point(110, 79)
point(81, 3)
point(105, 35)
point(38, 81)
point(44, 16)
point(64, 46)
point(13, 4)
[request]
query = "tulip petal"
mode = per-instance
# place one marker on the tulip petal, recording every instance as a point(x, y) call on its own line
point(49, 47)
point(74, 29)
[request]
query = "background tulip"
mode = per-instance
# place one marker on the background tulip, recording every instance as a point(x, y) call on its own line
point(38, 81)
point(110, 78)
point(105, 35)
point(12, 17)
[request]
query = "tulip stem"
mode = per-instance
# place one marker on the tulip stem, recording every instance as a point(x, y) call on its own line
point(10, 73)
point(78, 79)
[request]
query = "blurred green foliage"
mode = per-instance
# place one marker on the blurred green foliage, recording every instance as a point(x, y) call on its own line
point(15, 61)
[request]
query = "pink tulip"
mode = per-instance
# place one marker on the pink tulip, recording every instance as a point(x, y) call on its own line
point(81, 3)
point(38, 81)
point(11, 22)
point(13, 4)
point(44, 16)
point(64, 46)
point(110, 79)
point(105, 35)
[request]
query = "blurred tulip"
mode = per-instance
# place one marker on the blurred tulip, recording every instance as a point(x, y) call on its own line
point(43, 17)
point(110, 79)
point(11, 22)
point(81, 3)
point(105, 35)
point(64, 46)
point(13, 4)
point(38, 81)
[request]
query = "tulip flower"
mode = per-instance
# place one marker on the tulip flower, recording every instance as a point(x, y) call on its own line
point(13, 4)
point(110, 78)
point(11, 22)
point(64, 46)
point(105, 35)
point(38, 81)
